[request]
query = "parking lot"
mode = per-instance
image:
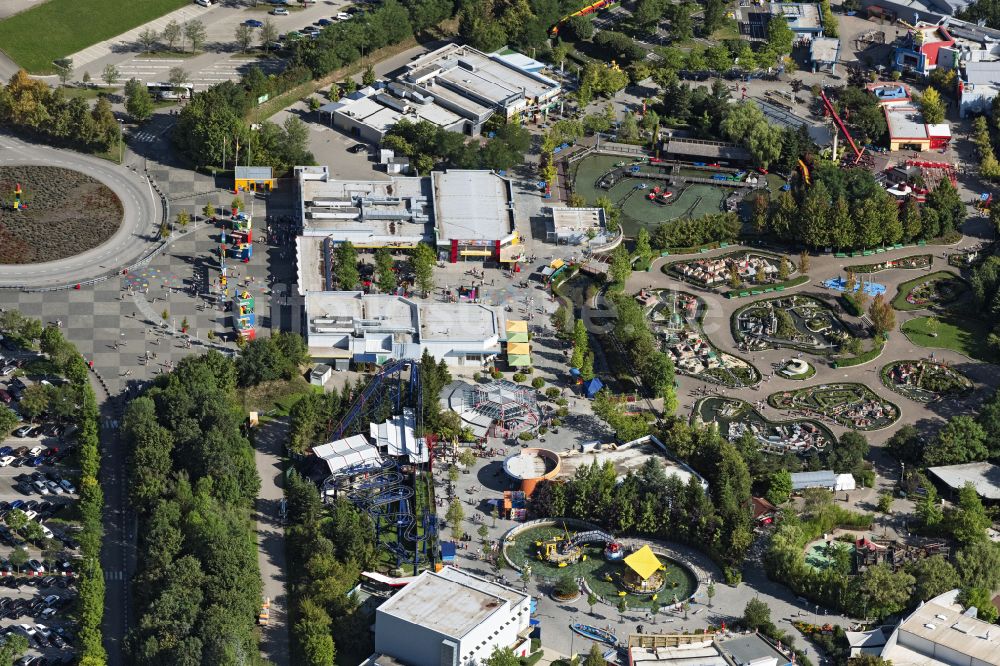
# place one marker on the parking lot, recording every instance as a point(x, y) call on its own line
point(38, 548)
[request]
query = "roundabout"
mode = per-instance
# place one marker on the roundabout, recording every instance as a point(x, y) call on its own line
point(88, 251)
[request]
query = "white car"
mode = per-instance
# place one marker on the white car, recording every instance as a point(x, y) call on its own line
point(203, 3)
point(343, 16)
point(6, 460)
point(31, 515)
point(46, 531)
point(279, 11)
point(41, 487)
point(36, 451)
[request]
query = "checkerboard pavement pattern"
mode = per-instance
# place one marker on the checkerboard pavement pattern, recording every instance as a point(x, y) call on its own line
point(118, 322)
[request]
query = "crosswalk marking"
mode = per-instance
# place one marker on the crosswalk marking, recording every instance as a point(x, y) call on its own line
point(114, 575)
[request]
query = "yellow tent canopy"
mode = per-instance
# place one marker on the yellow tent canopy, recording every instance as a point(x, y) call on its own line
point(643, 562)
point(517, 326)
point(518, 348)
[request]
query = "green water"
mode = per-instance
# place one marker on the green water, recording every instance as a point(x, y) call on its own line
point(637, 211)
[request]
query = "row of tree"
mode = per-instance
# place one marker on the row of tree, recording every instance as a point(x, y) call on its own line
point(694, 231)
point(193, 482)
point(429, 146)
point(30, 105)
point(848, 209)
point(985, 281)
point(418, 268)
point(212, 130)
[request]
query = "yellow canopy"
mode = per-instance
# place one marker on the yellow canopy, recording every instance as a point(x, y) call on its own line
point(517, 326)
point(643, 562)
point(518, 349)
point(558, 263)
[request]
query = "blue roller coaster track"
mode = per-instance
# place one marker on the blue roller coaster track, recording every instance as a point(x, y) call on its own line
point(385, 495)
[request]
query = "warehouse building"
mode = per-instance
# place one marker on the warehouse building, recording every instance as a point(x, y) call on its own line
point(394, 213)
point(474, 216)
point(476, 85)
point(351, 326)
point(984, 477)
point(908, 131)
point(451, 618)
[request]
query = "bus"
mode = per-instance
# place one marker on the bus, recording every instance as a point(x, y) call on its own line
point(170, 91)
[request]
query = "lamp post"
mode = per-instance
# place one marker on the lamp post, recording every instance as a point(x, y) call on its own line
point(121, 140)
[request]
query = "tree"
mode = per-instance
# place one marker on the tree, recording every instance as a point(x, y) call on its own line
point(591, 601)
point(933, 575)
point(18, 558)
point(346, 269)
point(885, 502)
point(803, 262)
point(484, 533)
point(8, 420)
point(172, 32)
point(313, 634)
point(368, 77)
point(594, 657)
point(14, 646)
point(208, 212)
point(982, 600)
point(35, 400)
point(455, 515)
point(978, 564)
point(194, 31)
point(642, 248)
point(781, 487)
point(756, 614)
point(138, 101)
point(784, 268)
point(177, 77)
point(385, 270)
point(502, 657)
point(183, 218)
point(622, 607)
point(244, 36)
point(968, 521)
point(932, 107)
point(961, 440)
point(64, 69)
point(779, 36)
point(710, 592)
point(147, 39)
point(422, 263)
point(110, 75)
point(929, 508)
point(268, 34)
point(467, 459)
point(881, 592)
point(621, 267)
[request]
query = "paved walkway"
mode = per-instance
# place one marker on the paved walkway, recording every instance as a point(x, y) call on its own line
point(270, 443)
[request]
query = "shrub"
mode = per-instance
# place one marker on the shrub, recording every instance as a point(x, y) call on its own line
point(552, 393)
point(537, 382)
point(519, 377)
point(566, 586)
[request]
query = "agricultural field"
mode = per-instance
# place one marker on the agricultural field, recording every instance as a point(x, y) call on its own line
point(58, 28)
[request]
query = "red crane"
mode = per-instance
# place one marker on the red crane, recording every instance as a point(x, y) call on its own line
point(840, 124)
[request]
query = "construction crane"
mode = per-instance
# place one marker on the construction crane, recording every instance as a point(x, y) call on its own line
point(828, 105)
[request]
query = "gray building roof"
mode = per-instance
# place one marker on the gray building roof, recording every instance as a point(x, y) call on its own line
point(982, 73)
point(707, 149)
point(750, 647)
point(983, 475)
point(824, 49)
point(253, 173)
point(822, 479)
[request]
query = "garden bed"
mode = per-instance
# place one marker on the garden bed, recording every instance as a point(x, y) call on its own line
point(852, 406)
point(935, 290)
point(67, 213)
point(925, 381)
point(912, 262)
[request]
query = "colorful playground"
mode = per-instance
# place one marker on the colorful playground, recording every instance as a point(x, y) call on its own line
point(641, 577)
point(650, 192)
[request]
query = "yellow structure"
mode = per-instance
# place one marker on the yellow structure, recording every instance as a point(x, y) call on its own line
point(643, 562)
point(518, 346)
point(254, 179)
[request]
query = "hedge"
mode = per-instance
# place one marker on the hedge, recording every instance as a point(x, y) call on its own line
point(778, 286)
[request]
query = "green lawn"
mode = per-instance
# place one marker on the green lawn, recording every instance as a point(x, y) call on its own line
point(69, 92)
point(966, 336)
point(58, 28)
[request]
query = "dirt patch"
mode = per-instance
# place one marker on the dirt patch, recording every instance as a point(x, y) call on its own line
point(67, 213)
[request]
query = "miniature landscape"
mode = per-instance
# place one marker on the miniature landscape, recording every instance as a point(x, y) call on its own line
point(736, 418)
point(925, 381)
point(675, 317)
point(853, 406)
point(793, 322)
point(61, 213)
point(934, 291)
point(734, 269)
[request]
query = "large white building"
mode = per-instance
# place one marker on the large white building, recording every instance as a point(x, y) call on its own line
point(344, 326)
point(940, 633)
point(451, 618)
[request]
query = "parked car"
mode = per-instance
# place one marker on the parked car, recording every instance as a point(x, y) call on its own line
point(23, 431)
point(343, 16)
point(279, 11)
point(36, 566)
point(253, 23)
point(55, 488)
point(358, 148)
point(7, 460)
point(324, 22)
point(67, 486)
point(47, 582)
point(203, 3)
point(5, 397)
point(41, 487)
point(31, 514)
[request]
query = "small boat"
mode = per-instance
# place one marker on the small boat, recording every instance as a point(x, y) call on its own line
point(595, 633)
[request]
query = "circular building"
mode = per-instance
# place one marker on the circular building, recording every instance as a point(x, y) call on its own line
point(496, 409)
point(529, 466)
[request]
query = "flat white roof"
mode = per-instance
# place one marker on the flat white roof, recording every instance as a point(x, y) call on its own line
point(824, 49)
point(983, 475)
point(905, 122)
point(576, 219)
point(397, 436)
point(471, 205)
point(350, 452)
point(940, 622)
point(450, 602)
point(366, 107)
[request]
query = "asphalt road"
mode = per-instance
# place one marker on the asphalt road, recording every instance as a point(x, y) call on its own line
point(141, 218)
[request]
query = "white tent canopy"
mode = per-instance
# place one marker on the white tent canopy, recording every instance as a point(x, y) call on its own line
point(351, 453)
